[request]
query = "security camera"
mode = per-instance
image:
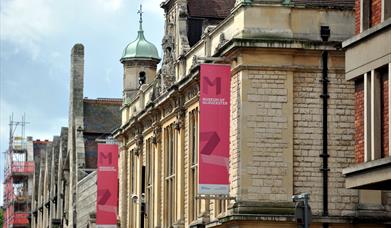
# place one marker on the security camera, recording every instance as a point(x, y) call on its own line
point(301, 197)
point(134, 198)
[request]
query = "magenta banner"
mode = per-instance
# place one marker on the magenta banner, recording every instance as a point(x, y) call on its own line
point(107, 194)
point(213, 165)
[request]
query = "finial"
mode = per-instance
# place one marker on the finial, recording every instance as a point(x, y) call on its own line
point(140, 11)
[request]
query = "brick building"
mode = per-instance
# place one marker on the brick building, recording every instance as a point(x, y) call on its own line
point(275, 52)
point(368, 65)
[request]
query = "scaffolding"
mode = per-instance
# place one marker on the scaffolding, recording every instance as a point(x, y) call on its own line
point(18, 175)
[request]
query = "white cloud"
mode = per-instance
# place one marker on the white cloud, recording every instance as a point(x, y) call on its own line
point(110, 4)
point(152, 6)
point(26, 22)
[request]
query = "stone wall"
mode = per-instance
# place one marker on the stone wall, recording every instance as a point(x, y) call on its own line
point(86, 200)
point(236, 92)
point(264, 131)
point(308, 140)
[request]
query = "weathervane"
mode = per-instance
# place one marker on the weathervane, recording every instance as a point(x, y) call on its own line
point(140, 11)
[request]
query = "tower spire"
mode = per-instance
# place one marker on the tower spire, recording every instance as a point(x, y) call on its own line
point(140, 11)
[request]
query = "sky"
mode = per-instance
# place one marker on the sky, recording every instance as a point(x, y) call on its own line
point(36, 37)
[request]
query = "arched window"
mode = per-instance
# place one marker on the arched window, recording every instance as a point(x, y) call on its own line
point(141, 78)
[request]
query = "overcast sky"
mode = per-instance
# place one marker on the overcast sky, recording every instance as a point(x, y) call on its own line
point(36, 39)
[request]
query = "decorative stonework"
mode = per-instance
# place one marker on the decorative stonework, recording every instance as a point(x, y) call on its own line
point(192, 92)
point(147, 123)
point(222, 41)
point(182, 24)
point(180, 120)
point(157, 130)
point(139, 144)
point(169, 108)
point(167, 72)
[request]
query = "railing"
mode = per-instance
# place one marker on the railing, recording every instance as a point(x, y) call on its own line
point(19, 218)
point(12, 197)
point(23, 167)
point(20, 168)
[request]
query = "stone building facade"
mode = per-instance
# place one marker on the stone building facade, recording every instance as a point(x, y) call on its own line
point(368, 65)
point(275, 52)
point(65, 180)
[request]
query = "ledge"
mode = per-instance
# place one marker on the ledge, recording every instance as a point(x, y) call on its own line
point(367, 166)
point(374, 175)
point(367, 33)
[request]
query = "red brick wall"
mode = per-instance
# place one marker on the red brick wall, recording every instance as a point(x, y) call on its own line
point(385, 117)
point(359, 120)
point(375, 12)
point(357, 16)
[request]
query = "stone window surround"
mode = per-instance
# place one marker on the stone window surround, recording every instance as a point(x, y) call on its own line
point(363, 16)
point(383, 7)
point(149, 194)
point(170, 136)
point(383, 2)
point(194, 204)
point(372, 114)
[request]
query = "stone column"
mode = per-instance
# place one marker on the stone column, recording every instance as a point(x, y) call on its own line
point(75, 124)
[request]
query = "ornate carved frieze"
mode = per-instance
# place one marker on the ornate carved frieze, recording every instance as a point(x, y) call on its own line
point(168, 108)
point(192, 92)
point(147, 123)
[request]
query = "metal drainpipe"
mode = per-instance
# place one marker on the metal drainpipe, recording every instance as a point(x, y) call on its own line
point(325, 34)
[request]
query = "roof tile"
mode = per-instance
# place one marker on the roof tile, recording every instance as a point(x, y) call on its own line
point(210, 8)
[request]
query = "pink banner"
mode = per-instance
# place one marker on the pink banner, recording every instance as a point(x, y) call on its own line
point(107, 194)
point(213, 166)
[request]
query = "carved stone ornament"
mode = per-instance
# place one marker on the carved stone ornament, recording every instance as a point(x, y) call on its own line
point(147, 123)
point(157, 131)
point(183, 11)
point(222, 41)
point(179, 122)
point(192, 92)
point(194, 61)
point(139, 144)
point(156, 86)
point(167, 71)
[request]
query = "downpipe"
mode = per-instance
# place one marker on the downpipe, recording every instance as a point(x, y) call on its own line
point(325, 34)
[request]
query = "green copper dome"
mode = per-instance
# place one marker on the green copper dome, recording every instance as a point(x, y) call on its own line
point(140, 48)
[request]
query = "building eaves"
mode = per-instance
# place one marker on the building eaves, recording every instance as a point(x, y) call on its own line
point(325, 3)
